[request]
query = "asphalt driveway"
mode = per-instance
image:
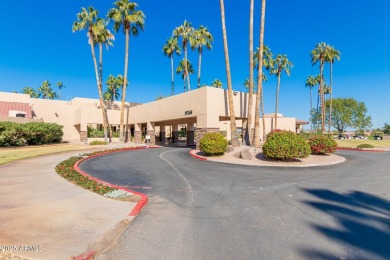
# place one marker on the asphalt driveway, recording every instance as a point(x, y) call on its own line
point(205, 210)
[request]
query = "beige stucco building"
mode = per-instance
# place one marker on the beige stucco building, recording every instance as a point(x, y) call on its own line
point(198, 111)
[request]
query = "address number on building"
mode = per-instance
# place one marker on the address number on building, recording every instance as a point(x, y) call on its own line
point(188, 112)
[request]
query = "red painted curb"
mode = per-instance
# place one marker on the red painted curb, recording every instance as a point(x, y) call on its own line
point(85, 256)
point(192, 154)
point(138, 207)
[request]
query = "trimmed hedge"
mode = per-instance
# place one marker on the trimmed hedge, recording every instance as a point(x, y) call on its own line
point(365, 146)
point(285, 145)
point(213, 144)
point(321, 144)
point(15, 134)
point(97, 142)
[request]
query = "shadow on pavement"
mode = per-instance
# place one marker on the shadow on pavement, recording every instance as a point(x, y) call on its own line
point(363, 222)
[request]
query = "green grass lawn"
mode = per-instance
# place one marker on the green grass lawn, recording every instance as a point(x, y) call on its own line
point(355, 142)
point(17, 153)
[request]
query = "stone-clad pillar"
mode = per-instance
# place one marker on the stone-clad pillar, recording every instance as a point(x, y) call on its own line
point(175, 133)
point(151, 132)
point(137, 133)
point(190, 134)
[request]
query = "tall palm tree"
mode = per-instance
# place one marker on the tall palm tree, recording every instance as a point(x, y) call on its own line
point(171, 47)
point(216, 83)
point(185, 69)
point(250, 82)
point(46, 91)
point(233, 128)
point(256, 138)
point(311, 82)
point(267, 64)
point(281, 63)
point(184, 31)
point(30, 91)
point(126, 15)
point(331, 57)
point(60, 86)
point(87, 19)
point(319, 54)
point(199, 38)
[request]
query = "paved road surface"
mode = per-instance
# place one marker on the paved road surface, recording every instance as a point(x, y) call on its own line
point(206, 210)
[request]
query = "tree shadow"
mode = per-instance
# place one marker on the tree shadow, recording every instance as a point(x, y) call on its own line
point(363, 222)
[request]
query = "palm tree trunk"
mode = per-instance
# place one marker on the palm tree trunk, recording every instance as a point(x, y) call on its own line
point(186, 66)
point(172, 77)
point(262, 113)
point(318, 103)
point(311, 107)
point(331, 98)
point(277, 102)
point(322, 97)
point(249, 136)
point(105, 119)
point(99, 88)
point(256, 139)
point(122, 119)
point(199, 66)
point(233, 128)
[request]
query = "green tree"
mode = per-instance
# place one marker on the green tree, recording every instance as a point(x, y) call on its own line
point(349, 113)
point(331, 56)
point(30, 91)
point(216, 83)
point(249, 84)
point(60, 86)
point(199, 38)
point(281, 63)
point(233, 128)
point(87, 19)
point(311, 82)
point(319, 55)
point(45, 91)
point(126, 15)
point(171, 47)
point(184, 31)
point(184, 68)
point(386, 129)
point(114, 85)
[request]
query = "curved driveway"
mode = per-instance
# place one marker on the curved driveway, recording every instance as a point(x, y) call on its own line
point(205, 210)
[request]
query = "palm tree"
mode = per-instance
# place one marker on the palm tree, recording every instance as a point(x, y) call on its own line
point(332, 55)
point(281, 63)
point(199, 38)
point(184, 31)
point(311, 82)
point(114, 84)
point(249, 83)
point(60, 86)
point(87, 19)
point(171, 47)
point(185, 69)
point(256, 138)
point(46, 91)
point(30, 91)
point(233, 128)
point(216, 83)
point(319, 54)
point(126, 15)
point(267, 64)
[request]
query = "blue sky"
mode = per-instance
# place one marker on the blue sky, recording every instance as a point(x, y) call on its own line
point(38, 44)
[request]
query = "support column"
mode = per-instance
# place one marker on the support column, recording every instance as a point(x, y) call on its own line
point(190, 134)
point(151, 132)
point(200, 132)
point(163, 137)
point(137, 133)
point(175, 133)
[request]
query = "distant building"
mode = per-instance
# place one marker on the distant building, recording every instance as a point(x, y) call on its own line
point(196, 112)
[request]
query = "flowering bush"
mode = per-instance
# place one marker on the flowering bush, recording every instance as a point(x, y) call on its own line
point(321, 144)
point(285, 145)
point(213, 144)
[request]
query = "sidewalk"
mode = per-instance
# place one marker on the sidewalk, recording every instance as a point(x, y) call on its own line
point(53, 217)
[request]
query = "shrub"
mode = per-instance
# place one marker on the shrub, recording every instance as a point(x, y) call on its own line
point(96, 142)
point(94, 133)
point(285, 145)
point(213, 144)
point(321, 144)
point(365, 146)
point(15, 134)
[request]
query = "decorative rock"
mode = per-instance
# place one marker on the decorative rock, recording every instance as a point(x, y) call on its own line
point(245, 154)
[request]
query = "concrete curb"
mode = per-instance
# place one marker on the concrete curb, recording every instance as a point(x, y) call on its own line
point(360, 150)
point(193, 155)
point(90, 253)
